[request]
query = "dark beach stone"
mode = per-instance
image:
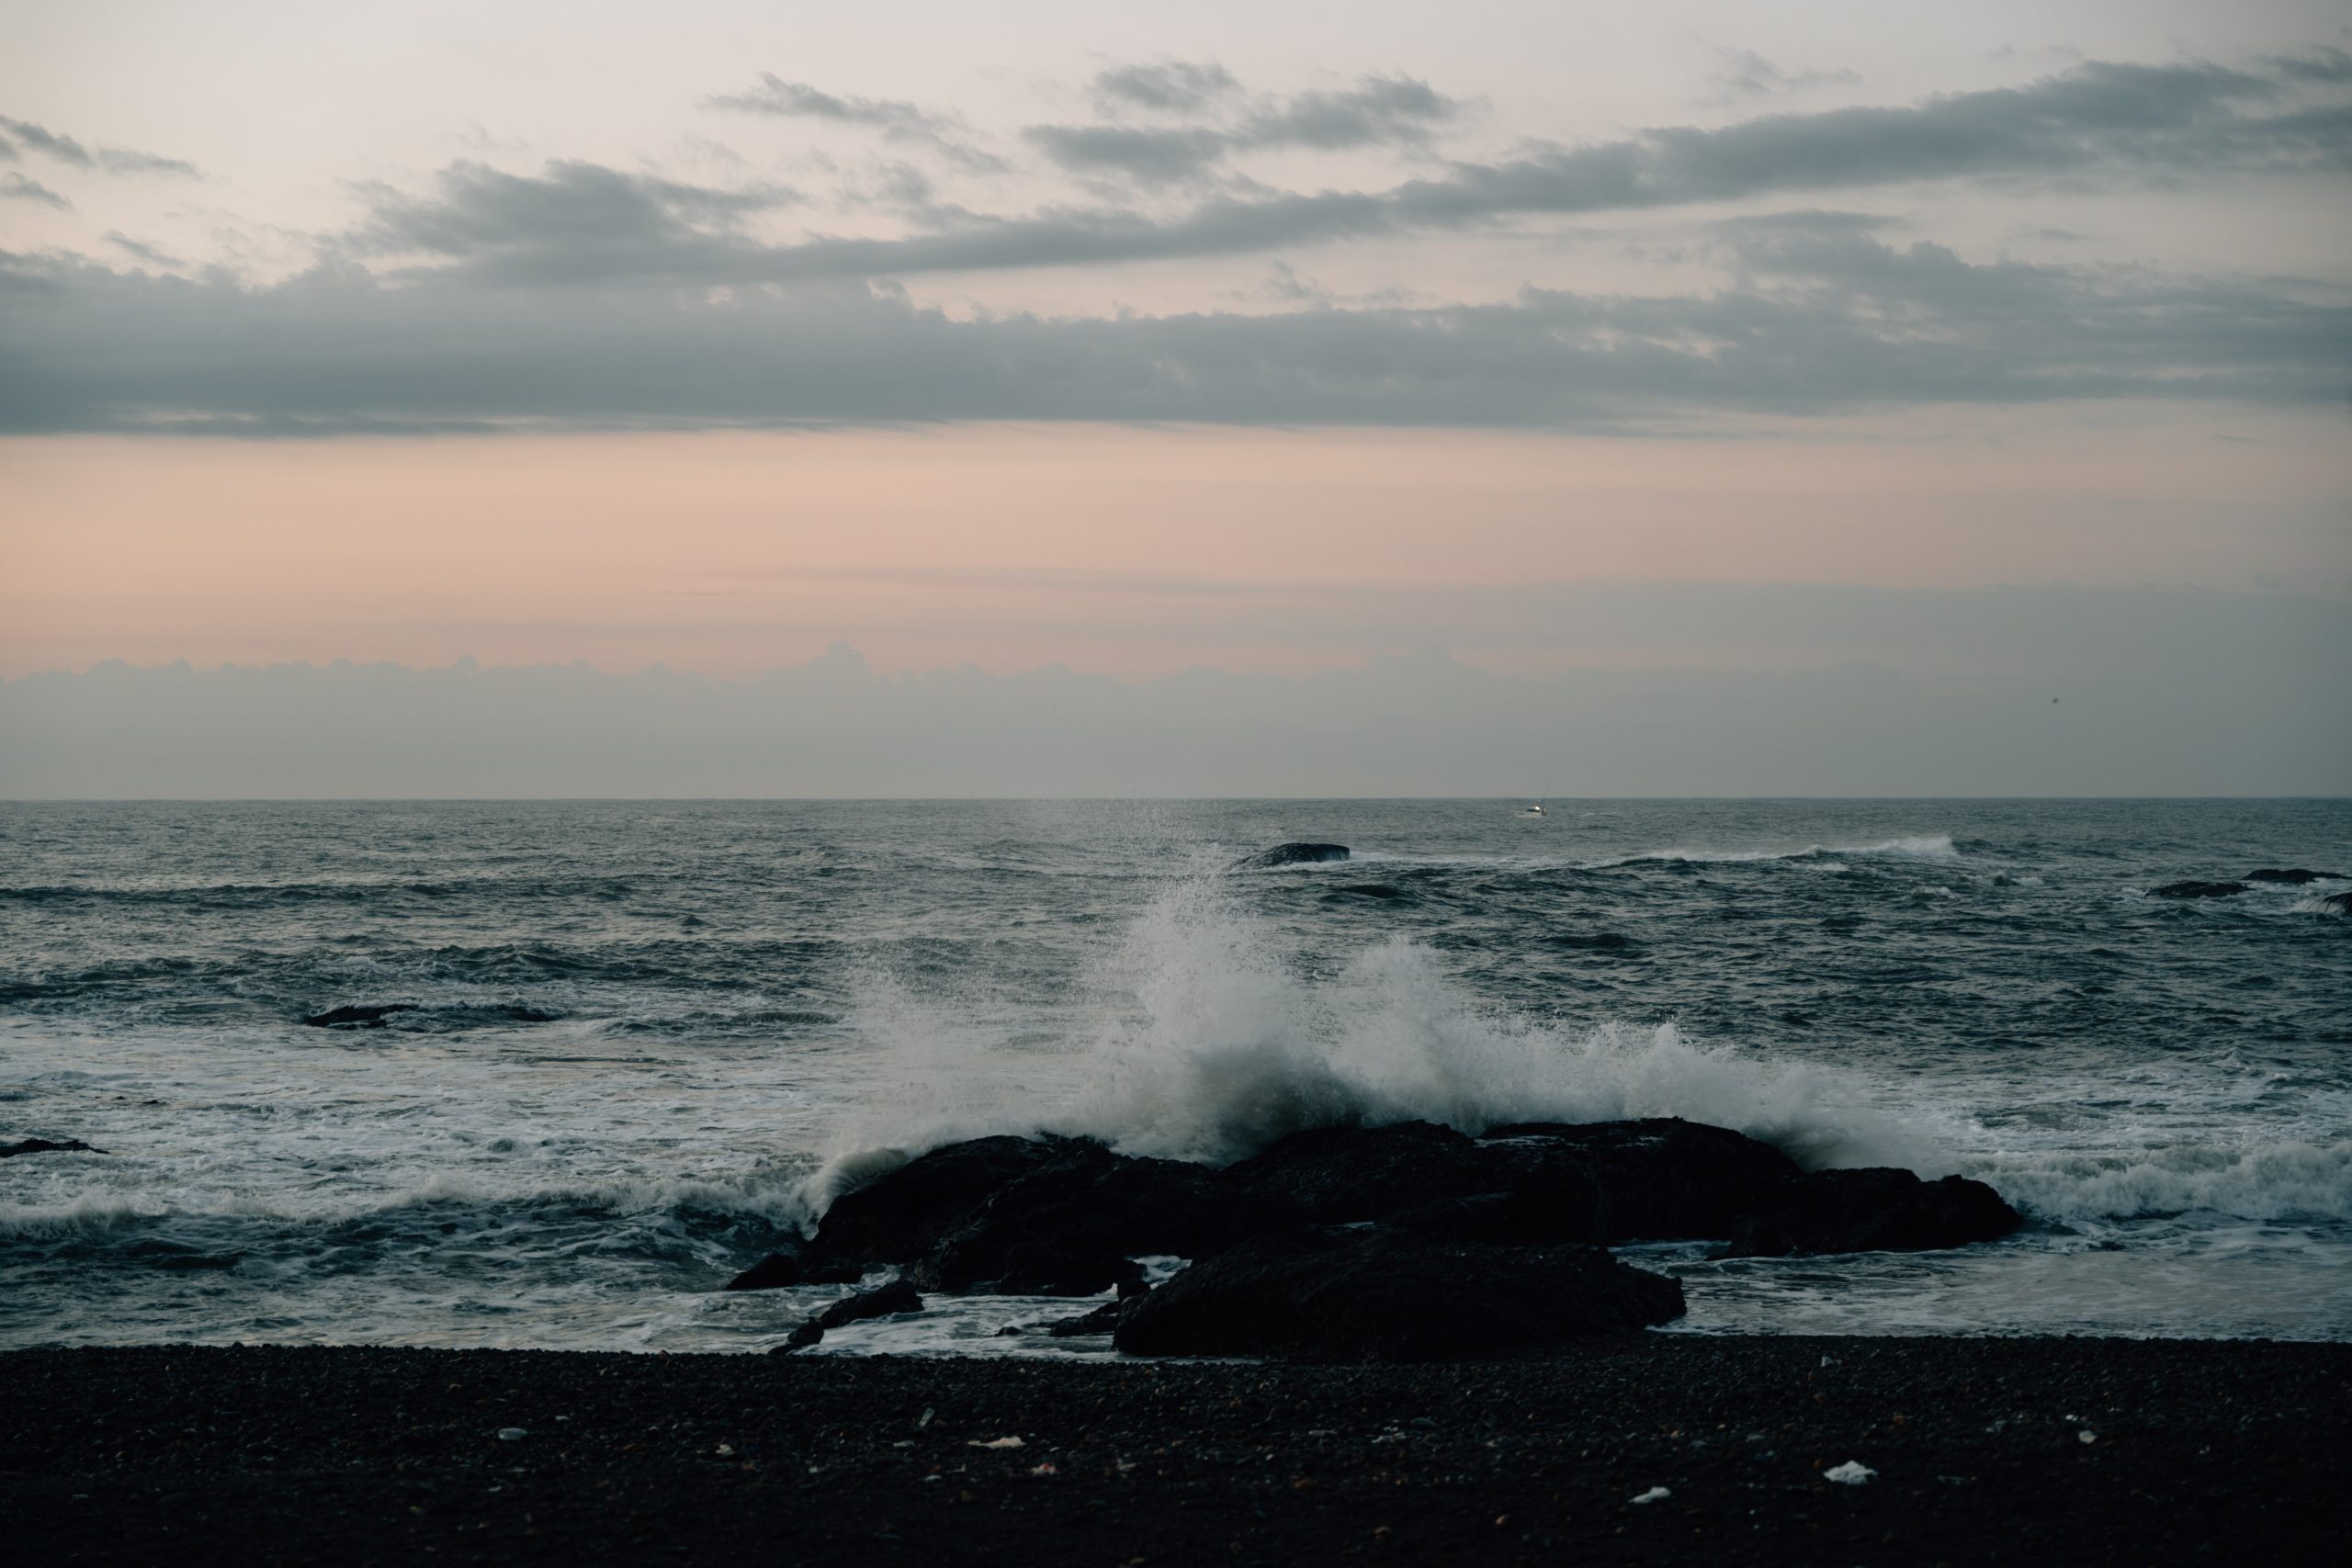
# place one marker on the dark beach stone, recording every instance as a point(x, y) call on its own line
point(2193, 889)
point(2295, 877)
point(1291, 855)
point(1653, 1180)
point(1872, 1210)
point(1388, 1295)
point(47, 1147)
point(909, 1209)
point(779, 1270)
point(366, 1016)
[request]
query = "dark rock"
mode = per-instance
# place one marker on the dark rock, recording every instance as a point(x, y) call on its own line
point(780, 1269)
point(1654, 1179)
point(909, 1209)
point(45, 1146)
point(1103, 1319)
point(369, 1016)
point(1388, 1295)
point(2193, 889)
point(2297, 877)
point(881, 1301)
point(1070, 1225)
point(1348, 1175)
point(897, 1296)
point(1873, 1210)
point(1291, 855)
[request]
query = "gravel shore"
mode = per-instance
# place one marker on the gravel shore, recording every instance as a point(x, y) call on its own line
point(1985, 1450)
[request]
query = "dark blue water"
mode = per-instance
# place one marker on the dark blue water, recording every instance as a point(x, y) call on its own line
point(627, 1033)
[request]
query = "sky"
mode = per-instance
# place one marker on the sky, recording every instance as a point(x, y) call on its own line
point(1560, 343)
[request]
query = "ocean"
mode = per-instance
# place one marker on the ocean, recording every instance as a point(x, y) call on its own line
point(629, 1044)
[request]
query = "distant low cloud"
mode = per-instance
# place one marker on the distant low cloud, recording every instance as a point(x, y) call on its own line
point(1822, 315)
point(106, 160)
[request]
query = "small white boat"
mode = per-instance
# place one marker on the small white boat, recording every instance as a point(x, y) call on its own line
point(1536, 812)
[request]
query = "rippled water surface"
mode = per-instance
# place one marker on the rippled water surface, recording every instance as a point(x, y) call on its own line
point(630, 1032)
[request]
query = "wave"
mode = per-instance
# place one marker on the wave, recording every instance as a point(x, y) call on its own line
point(1205, 1047)
point(2287, 1181)
point(1935, 847)
point(774, 1196)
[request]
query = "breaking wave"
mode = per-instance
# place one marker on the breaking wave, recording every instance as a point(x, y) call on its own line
point(1935, 847)
point(2294, 1181)
point(1207, 1046)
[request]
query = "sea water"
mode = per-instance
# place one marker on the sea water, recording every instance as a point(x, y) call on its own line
point(642, 1041)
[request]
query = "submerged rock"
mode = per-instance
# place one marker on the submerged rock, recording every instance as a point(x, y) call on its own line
point(363, 1016)
point(2193, 889)
point(2295, 877)
point(1388, 1295)
point(1291, 855)
point(46, 1147)
point(1872, 1210)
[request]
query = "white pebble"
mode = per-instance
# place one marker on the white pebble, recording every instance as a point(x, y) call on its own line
point(1655, 1494)
point(1853, 1472)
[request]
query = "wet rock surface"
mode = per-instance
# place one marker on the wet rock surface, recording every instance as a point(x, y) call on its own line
point(357, 1016)
point(2195, 889)
point(1874, 1210)
point(47, 1147)
point(2200, 1452)
point(1293, 855)
point(1390, 1295)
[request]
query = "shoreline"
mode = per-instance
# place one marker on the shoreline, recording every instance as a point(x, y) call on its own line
point(2200, 1450)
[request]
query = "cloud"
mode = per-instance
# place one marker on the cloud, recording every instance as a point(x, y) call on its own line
point(896, 119)
point(572, 219)
point(17, 188)
point(1820, 315)
point(2097, 122)
point(107, 160)
point(1174, 84)
point(1377, 111)
point(1148, 154)
point(1748, 74)
point(140, 250)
